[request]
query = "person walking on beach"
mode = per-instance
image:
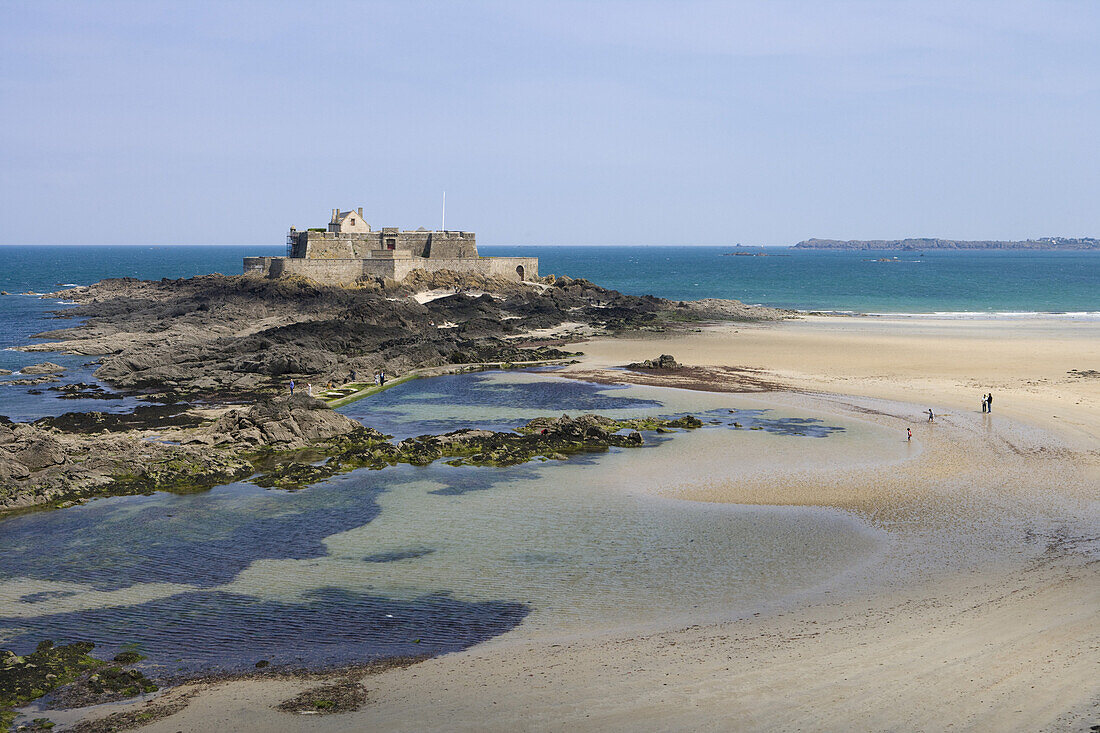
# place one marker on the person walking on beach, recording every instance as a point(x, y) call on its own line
point(909, 434)
point(292, 388)
point(989, 402)
point(985, 405)
point(931, 416)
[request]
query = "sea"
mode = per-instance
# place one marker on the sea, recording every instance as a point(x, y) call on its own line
point(428, 560)
point(947, 284)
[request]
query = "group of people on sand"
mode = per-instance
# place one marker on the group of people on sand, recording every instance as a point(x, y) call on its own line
point(987, 406)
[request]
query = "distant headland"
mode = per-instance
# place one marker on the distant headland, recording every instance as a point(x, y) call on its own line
point(914, 243)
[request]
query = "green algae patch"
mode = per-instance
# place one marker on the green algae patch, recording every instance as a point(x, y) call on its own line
point(540, 439)
point(25, 679)
point(69, 670)
point(657, 424)
point(182, 474)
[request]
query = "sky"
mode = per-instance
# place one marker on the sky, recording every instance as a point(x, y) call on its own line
point(561, 122)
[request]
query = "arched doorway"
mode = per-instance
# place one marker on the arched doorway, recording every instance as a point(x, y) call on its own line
point(519, 271)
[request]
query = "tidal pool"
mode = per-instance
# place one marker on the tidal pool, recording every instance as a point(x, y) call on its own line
point(412, 560)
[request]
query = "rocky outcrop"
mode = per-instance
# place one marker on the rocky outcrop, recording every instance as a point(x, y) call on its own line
point(723, 309)
point(279, 442)
point(220, 338)
point(46, 367)
point(283, 423)
point(542, 439)
point(664, 361)
point(83, 454)
point(43, 465)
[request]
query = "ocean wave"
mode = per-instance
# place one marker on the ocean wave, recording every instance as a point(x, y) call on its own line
point(962, 315)
point(997, 315)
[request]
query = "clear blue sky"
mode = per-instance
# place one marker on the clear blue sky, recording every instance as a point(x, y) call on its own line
point(550, 122)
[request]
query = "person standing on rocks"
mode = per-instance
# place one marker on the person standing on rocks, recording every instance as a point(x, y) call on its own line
point(292, 388)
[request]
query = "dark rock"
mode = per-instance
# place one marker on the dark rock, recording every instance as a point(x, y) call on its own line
point(30, 381)
point(83, 391)
point(151, 417)
point(664, 361)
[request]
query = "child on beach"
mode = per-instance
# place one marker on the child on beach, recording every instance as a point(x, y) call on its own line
point(931, 417)
point(909, 434)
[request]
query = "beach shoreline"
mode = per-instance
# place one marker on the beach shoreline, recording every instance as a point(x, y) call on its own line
point(989, 622)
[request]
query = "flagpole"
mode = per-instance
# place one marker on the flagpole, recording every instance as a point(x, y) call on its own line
point(444, 211)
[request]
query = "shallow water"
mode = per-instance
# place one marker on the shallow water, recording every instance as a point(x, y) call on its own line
point(427, 560)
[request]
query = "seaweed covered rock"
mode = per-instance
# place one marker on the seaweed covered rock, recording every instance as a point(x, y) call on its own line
point(79, 678)
point(578, 428)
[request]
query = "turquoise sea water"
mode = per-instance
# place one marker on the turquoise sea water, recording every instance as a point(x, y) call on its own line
point(930, 282)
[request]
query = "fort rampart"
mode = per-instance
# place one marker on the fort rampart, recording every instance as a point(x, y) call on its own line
point(345, 271)
point(313, 244)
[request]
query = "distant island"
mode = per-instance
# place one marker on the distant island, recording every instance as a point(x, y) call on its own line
point(1066, 243)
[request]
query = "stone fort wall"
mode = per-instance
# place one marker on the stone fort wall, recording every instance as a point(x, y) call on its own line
point(360, 245)
point(346, 270)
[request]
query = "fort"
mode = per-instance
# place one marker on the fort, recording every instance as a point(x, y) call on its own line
point(349, 249)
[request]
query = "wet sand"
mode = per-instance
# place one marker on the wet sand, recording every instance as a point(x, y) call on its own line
point(979, 614)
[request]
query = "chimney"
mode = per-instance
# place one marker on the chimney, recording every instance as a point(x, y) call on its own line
point(333, 219)
point(360, 212)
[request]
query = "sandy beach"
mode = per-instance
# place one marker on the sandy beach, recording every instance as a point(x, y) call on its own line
point(980, 613)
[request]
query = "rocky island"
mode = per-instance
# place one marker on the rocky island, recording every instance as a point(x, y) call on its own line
point(212, 359)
